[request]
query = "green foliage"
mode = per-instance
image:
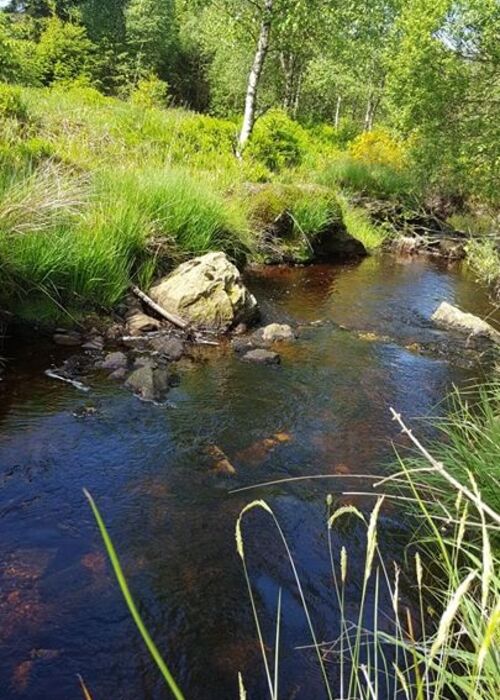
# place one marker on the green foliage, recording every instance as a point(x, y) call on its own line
point(277, 141)
point(12, 105)
point(373, 180)
point(150, 31)
point(64, 52)
point(443, 91)
point(150, 92)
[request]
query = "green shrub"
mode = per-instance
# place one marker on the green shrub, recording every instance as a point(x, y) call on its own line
point(150, 92)
point(483, 257)
point(336, 137)
point(277, 141)
point(12, 105)
point(82, 91)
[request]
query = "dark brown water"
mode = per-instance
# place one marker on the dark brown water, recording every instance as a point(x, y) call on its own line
point(172, 518)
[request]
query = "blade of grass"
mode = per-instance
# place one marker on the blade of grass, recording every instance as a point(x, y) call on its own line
point(122, 582)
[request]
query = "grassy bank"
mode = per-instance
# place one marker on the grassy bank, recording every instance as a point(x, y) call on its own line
point(96, 192)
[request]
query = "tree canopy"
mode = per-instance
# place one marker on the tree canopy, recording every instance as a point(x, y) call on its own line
point(428, 70)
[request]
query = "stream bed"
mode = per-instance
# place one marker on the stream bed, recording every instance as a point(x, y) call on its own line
point(325, 410)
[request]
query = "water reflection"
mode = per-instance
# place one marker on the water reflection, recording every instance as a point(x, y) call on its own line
point(151, 469)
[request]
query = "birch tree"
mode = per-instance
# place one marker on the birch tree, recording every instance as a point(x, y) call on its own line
point(254, 76)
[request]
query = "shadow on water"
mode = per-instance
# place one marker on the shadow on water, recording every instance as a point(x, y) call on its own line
point(325, 410)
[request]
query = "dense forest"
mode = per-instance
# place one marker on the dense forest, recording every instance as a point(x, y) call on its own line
point(427, 70)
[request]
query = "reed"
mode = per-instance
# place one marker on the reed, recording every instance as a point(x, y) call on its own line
point(453, 652)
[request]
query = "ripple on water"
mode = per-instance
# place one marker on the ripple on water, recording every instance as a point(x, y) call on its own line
point(153, 471)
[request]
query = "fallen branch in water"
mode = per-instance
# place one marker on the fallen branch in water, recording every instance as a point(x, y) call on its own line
point(172, 318)
point(78, 385)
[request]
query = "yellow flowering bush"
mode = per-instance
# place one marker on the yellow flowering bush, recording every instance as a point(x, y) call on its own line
point(378, 147)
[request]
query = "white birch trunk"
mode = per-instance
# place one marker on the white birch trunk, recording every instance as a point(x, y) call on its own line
point(368, 115)
point(337, 111)
point(254, 77)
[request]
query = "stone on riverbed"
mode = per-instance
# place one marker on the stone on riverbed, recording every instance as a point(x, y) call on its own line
point(277, 331)
point(170, 347)
point(148, 383)
point(139, 323)
point(262, 357)
point(452, 318)
point(70, 338)
point(208, 292)
point(264, 337)
point(114, 361)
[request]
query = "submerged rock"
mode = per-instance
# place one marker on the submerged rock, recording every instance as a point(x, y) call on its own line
point(149, 383)
point(262, 357)
point(70, 339)
point(264, 337)
point(94, 344)
point(170, 347)
point(208, 292)
point(119, 374)
point(277, 331)
point(452, 318)
point(114, 361)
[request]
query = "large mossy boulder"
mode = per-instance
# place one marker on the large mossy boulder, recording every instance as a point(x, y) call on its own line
point(208, 292)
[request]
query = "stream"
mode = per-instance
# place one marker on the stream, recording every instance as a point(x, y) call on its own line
point(325, 410)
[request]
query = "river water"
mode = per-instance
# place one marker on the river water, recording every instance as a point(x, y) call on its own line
point(325, 410)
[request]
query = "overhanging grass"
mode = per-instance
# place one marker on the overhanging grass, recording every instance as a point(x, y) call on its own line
point(483, 256)
point(79, 244)
point(180, 208)
point(360, 226)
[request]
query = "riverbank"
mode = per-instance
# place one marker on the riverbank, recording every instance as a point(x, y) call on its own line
point(97, 193)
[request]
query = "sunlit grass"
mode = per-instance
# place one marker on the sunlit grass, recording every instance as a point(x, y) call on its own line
point(359, 225)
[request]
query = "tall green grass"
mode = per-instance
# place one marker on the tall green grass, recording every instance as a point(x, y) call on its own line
point(447, 644)
point(375, 180)
point(360, 226)
point(79, 242)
